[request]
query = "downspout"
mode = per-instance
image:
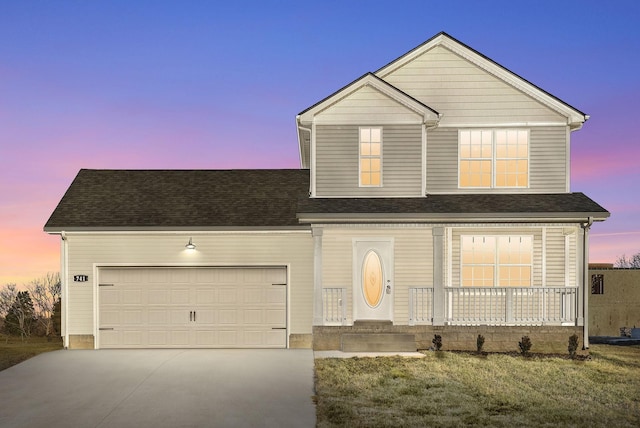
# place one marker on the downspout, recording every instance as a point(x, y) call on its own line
point(585, 280)
point(64, 306)
point(425, 128)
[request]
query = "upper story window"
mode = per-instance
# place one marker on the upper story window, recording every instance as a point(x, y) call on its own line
point(371, 157)
point(496, 261)
point(493, 158)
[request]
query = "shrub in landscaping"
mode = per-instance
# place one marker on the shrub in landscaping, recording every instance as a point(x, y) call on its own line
point(573, 345)
point(479, 343)
point(525, 345)
point(437, 342)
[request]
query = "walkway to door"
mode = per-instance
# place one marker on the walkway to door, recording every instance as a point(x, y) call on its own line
point(160, 388)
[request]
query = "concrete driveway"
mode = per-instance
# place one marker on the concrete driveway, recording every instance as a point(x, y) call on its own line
point(160, 388)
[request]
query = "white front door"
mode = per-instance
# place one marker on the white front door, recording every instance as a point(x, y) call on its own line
point(373, 286)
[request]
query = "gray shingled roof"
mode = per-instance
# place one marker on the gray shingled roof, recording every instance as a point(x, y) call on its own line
point(180, 199)
point(499, 204)
point(183, 199)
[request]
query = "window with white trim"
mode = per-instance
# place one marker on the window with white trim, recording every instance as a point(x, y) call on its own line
point(370, 157)
point(493, 158)
point(496, 261)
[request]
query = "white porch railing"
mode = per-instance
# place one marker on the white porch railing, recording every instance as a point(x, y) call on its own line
point(510, 305)
point(334, 306)
point(420, 305)
point(496, 306)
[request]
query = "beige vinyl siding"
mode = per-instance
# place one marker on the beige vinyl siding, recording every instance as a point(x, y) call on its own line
point(367, 104)
point(337, 161)
point(547, 162)
point(413, 261)
point(466, 93)
point(555, 257)
point(548, 159)
point(442, 160)
point(241, 249)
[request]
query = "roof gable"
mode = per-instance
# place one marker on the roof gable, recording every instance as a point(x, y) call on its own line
point(386, 92)
point(385, 100)
point(575, 118)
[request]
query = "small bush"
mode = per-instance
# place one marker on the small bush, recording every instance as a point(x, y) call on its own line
point(479, 343)
point(525, 345)
point(573, 345)
point(437, 342)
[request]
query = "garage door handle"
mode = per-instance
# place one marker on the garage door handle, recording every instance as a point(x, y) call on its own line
point(194, 316)
point(190, 316)
point(278, 328)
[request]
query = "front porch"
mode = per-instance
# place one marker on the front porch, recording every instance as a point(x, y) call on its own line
point(548, 315)
point(471, 306)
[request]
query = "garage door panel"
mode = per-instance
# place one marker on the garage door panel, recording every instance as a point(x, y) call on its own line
point(228, 295)
point(110, 317)
point(276, 317)
point(158, 338)
point(132, 337)
point(132, 317)
point(276, 294)
point(192, 307)
point(131, 297)
point(158, 316)
point(179, 296)
point(180, 337)
point(206, 295)
point(205, 316)
point(253, 316)
point(228, 316)
point(158, 296)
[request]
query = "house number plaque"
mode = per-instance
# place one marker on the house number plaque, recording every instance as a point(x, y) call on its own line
point(80, 278)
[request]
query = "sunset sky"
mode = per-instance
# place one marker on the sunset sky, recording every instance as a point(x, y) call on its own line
point(197, 84)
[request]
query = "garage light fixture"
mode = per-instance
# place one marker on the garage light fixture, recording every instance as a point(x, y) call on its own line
point(190, 245)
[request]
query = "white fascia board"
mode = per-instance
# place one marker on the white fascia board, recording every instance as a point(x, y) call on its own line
point(575, 118)
point(448, 218)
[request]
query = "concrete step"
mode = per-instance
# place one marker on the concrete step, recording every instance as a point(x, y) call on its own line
point(372, 323)
point(378, 342)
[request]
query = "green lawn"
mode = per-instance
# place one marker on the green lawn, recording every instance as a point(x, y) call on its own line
point(455, 389)
point(13, 350)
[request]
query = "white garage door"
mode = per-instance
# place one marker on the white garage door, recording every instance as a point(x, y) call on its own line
point(192, 308)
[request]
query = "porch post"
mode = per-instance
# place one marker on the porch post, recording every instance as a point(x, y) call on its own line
point(316, 232)
point(438, 275)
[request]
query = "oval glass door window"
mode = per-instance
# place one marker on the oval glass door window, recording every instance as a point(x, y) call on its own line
point(372, 284)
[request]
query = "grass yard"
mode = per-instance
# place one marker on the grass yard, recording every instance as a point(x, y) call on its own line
point(456, 389)
point(13, 350)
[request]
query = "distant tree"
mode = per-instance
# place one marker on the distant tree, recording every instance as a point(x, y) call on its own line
point(7, 297)
point(631, 262)
point(45, 292)
point(57, 317)
point(21, 315)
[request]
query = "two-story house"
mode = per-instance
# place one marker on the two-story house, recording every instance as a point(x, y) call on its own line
point(433, 198)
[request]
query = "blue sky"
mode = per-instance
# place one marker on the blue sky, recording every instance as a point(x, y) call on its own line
point(202, 84)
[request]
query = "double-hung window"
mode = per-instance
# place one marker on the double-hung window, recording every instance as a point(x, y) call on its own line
point(493, 158)
point(496, 261)
point(370, 157)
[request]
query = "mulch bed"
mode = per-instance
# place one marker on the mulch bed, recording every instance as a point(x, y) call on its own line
point(529, 356)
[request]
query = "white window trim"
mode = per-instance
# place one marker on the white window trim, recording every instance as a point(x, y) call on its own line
point(494, 158)
point(360, 156)
point(496, 266)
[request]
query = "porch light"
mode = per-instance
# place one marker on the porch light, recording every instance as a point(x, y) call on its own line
point(190, 245)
